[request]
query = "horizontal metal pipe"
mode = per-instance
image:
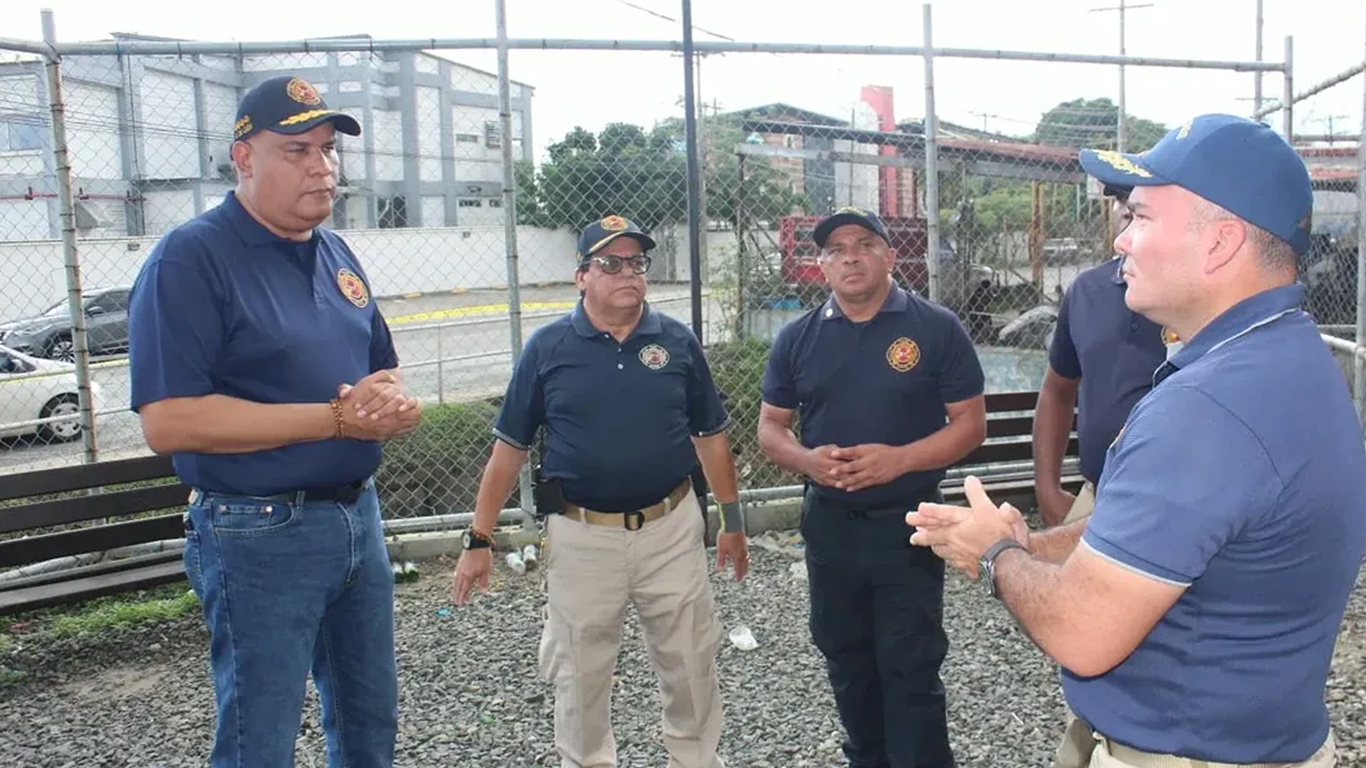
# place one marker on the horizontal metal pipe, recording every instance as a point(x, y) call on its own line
point(1346, 74)
point(1342, 345)
point(191, 47)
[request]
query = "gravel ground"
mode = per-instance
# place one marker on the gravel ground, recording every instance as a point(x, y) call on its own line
point(470, 697)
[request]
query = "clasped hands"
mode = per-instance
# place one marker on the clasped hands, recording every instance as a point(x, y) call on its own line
point(855, 467)
point(376, 408)
point(960, 535)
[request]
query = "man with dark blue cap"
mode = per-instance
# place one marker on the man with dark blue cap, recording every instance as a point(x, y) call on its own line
point(890, 393)
point(629, 409)
point(260, 362)
point(1230, 519)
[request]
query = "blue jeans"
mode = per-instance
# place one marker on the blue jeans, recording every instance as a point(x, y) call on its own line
point(288, 588)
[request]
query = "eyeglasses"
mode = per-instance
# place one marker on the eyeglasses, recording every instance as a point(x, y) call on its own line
point(640, 263)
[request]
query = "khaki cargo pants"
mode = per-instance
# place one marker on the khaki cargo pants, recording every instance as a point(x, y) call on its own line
point(1083, 505)
point(592, 572)
point(1083, 748)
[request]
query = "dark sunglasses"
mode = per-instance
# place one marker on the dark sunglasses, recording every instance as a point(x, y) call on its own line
point(640, 263)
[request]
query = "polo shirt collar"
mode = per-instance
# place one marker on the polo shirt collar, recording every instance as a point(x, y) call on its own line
point(649, 324)
point(897, 301)
point(1243, 317)
point(252, 232)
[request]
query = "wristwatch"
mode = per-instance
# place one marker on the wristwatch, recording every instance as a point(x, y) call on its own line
point(472, 539)
point(987, 563)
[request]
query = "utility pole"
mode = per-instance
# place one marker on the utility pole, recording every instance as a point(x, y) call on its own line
point(1123, 8)
point(1257, 78)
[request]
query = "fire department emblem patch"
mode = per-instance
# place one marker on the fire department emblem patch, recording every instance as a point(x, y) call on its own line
point(352, 287)
point(654, 356)
point(303, 91)
point(903, 354)
point(613, 223)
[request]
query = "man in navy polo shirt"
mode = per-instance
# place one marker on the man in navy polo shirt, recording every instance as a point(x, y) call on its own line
point(259, 361)
point(890, 392)
point(629, 407)
point(1108, 353)
point(1230, 520)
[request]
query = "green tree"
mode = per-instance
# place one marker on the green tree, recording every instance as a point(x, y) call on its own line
point(1093, 123)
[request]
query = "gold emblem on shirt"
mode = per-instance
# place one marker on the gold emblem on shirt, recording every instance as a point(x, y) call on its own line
point(903, 354)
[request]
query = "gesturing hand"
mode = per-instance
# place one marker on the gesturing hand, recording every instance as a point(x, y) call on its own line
point(959, 535)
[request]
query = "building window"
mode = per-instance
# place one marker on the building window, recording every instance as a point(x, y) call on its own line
point(492, 136)
point(466, 202)
point(393, 213)
point(19, 134)
point(466, 138)
point(495, 203)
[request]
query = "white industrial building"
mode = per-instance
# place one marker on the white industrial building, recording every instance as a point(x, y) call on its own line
point(149, 139)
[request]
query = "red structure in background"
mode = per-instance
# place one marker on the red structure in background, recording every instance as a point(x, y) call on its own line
point(879, 97)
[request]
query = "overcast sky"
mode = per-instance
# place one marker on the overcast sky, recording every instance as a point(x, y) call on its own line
point(593, 88)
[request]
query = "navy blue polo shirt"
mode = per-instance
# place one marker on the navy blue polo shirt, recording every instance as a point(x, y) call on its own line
point(1112, 349)
point(619, 416)
point(223, 306)
point(886, 380)
point(1241, 477)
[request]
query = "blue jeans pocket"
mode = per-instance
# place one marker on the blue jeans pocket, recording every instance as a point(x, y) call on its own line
point(248, 517)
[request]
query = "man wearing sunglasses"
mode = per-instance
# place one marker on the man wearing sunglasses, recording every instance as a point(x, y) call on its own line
point(629, 408)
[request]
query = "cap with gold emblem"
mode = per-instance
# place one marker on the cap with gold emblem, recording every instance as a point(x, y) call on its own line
point(287, 104)
point(597, 235)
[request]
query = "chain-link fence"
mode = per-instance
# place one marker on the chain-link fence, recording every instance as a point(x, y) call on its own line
point(993, 223)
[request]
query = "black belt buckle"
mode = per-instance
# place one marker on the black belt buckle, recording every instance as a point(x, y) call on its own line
point(636, 515)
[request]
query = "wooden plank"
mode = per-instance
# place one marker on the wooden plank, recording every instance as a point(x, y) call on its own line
point(94, 569)
point(33, 549)
point(998, 402)
point(92, 507)
point(89, 587)
point(81, 476)
point(1020, 450)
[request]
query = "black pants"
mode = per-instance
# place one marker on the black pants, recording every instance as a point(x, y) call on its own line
point(877, 606)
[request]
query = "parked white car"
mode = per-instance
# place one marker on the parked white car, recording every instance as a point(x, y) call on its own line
point(35, 393)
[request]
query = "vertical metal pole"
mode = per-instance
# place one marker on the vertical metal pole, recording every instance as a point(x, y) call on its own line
point(1288, 97)
point(1257, 77)
point(1122, 135)
point(73, 263)
point(1358, 362)
point(694, 183)
point(440, 368)
point(931, 166)
point(510, 224)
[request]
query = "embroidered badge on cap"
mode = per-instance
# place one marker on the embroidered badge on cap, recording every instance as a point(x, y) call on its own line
point(654, 356)
point(613, 223)
point(303, 92)
point(1121, 163)
point(352, 287)
point(903, 354)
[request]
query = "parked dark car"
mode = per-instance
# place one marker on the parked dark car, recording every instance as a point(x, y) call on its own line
point(49, 334)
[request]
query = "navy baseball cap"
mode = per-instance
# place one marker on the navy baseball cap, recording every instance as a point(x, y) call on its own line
point(597, 235)
point(1239, 165)
point(289, 105)
point(849, 215)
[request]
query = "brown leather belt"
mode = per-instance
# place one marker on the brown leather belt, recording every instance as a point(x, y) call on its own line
point(634, 519)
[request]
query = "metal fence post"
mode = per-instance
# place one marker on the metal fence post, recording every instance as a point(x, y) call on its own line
point(1358, 362)
point(693, 173)
point(72, 260)
point(528, 501)
point(931, 167)
point(1288, 96)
